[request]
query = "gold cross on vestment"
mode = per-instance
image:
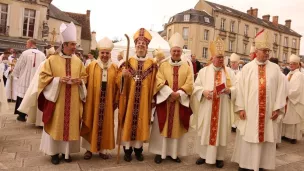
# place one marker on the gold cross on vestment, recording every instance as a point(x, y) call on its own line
point(262, 80)
point(136, 78)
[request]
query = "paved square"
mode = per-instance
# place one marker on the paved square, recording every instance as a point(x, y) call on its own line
point(19, 150)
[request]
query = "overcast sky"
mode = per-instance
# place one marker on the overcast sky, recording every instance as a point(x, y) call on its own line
point(114, 18)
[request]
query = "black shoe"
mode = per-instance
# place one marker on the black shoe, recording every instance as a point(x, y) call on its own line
point(158, 159)
point(139, 157)
point(21, 119)
point(177, 160)
point(293, 141)
point(200, 161)
point(219, 163)
point(233, 129)
point(261, 169)
point(128, 158)
point(284, 138)
point(55, 159)
point(69, 160)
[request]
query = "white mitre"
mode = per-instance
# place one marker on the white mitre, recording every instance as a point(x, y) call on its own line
point(234, 57)
point(294, 58)
point(105, 44)
point(252, 49)
point(176, 40)
point(68, 32)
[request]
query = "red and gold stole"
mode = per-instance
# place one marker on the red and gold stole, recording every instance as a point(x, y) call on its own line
point(215, 109)
point(262, 101)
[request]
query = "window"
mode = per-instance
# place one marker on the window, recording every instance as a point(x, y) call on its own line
point(286, 41)
point(185, 33)
point(245, 48)
point(207, 20)
point(187, 17)
point(256, 31)
point(275, 39)
point(232, 26)
point(3, 18)
point(246, 30)
point(275, 54)
point(206, 34)
point(223, 24)
point(205, 52)
point(29, 22)
point(171, 19)
point(169, 34)
point(294, 43)
point(230, 45)
point(284, 57)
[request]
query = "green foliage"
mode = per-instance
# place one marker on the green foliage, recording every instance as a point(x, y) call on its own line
point(95, 53)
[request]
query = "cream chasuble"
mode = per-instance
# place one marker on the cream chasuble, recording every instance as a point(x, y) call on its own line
point(98, 118)
point(169, 135)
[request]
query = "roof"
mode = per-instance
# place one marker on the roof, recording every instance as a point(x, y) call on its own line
point(56, 13)
point(196, 16)
point(84, 21)
point(247, 17)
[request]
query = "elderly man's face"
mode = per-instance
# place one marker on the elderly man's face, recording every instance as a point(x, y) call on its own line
point(193, 58)
point(218, 61)
point(141, 48)
point(104, 55)
point(294, 65)
point(234, 65)
point(176, 53)
point(262, 55)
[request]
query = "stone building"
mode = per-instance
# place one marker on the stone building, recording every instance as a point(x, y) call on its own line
point(207, 20)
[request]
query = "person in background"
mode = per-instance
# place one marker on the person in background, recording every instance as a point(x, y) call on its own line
point(196, 65)
point(89, 60)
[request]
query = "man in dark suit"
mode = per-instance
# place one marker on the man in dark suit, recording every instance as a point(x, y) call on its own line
point(196, 65)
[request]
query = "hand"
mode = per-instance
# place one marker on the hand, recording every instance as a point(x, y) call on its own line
point(76, 81)
point(242, 115)
point(126, 73)
point(208, 94)
point(275, 115)
point(227, 91)
point(64, 79)
point(174, 96)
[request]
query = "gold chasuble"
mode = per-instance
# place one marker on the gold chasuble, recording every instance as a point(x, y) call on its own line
point(137, 109)
point(174, 117)
point(62, 117)
point(98, 118)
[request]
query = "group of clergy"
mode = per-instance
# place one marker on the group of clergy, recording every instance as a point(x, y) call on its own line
point(76, 103)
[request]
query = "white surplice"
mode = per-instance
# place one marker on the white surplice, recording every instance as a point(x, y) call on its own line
point(3, 99)
point(29, 103)
point(295, 106)
point(202, 109)
point(249, 152)
point(25, 69)
point(11, 85)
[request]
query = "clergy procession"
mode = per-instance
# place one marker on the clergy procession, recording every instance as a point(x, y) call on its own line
point(100, 105)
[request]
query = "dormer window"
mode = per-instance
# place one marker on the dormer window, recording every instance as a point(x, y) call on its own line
point(207, 20)
point(171, 19)
point(187, 17)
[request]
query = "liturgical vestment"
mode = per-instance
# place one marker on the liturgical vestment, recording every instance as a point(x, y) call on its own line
point(61, 104)
point(213, 118)
point(3, 99)
point(137, 107)
point(261, 90)
point(171, 123)
point(98, 118)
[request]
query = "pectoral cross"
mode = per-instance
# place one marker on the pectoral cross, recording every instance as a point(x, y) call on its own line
point(53, 33)
point(136, 78)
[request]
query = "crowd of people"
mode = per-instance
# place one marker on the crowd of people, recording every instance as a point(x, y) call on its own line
point(159, 100)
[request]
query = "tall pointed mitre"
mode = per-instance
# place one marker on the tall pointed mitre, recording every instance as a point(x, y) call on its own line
point(142, 34)
point(217, 47)
point(176, 40)
point(263, 40)
point(234, 57)
point(68, 32)
point(105, 44)
point(294, 58)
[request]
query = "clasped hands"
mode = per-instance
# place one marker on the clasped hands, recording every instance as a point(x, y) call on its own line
point(209, 94)
point(174, 97)
point(69, 80)
point(274, 116)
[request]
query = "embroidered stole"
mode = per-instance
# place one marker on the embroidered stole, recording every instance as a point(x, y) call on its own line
point(262, 101)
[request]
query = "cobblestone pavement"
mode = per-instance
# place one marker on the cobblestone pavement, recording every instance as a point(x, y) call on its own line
point(19, 150)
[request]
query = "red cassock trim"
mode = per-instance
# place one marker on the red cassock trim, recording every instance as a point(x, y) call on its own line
point(47, 107)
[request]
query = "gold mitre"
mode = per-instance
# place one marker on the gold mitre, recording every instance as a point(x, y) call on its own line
point(294, 58)
point(176, 40)
point(142, 34)
point(105, 44)
point(263, 40)
point(217, 47)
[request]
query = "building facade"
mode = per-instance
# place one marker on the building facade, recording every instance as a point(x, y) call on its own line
point(208, 20)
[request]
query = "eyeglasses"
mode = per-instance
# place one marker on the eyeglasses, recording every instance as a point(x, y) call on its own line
point(267, 51)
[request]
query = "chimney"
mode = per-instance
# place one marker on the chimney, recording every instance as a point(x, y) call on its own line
point(275, 20)
point(288, 23)
point(266, 17)
point(249, 11)
point(88, 13)
point(255, 12)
